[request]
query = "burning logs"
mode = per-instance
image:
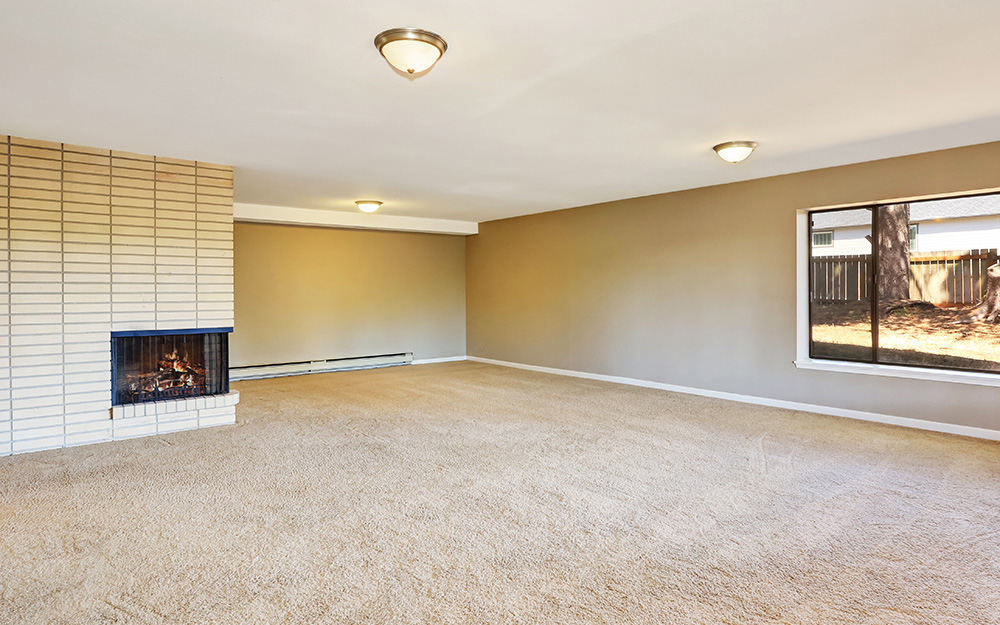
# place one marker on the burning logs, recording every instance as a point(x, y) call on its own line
point(174, 375)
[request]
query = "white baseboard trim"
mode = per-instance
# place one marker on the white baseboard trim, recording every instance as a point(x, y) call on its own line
point(933, 426)
point(256, 372)
point(431, 361)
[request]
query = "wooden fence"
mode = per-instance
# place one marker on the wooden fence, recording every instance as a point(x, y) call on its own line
point(950, 278)
point(841, 278)
point(956, 278)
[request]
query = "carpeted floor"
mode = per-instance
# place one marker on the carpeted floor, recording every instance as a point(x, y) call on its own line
point(469, 493)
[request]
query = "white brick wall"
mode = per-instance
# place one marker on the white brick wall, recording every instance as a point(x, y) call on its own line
point(93, 241)
point(6, 430)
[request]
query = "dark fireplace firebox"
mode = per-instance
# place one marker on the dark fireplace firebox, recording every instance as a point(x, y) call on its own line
point(156, 365)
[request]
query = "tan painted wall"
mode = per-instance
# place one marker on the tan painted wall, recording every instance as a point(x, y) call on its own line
point(697, 288)
point(312, 293)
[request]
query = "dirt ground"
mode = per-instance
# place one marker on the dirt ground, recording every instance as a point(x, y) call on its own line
point(908, 336)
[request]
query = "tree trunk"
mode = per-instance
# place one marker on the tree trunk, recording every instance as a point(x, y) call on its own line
point(893, 280)
point(988, 310)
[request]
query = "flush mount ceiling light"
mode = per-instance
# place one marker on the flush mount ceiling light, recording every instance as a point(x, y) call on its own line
point(735, 151)
point(410, 50)
point(368, 206)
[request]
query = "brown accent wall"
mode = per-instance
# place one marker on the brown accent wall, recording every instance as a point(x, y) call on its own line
point(307, 293)
point(697, 288)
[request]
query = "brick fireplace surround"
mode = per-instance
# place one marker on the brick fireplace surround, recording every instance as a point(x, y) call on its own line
point(94, 241)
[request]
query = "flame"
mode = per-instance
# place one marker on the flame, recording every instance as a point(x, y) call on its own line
point(174, 372)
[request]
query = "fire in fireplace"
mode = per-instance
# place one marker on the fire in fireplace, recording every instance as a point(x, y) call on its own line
point(169, 364)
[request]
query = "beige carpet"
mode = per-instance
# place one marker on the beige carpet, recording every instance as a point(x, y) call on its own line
point(468, 493)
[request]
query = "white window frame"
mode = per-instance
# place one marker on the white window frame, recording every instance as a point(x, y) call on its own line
point(830, 232)
point(802, 359)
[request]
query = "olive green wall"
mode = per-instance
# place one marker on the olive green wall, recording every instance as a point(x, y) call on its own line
point(697, 288)
point(314, 293)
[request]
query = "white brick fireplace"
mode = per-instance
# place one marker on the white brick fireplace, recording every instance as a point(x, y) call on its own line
point(94, 241)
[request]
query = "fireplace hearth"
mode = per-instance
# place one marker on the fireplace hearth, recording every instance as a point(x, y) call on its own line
point(157, 365)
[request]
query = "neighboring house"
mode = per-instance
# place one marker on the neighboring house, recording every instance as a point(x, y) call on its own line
point(970, 223)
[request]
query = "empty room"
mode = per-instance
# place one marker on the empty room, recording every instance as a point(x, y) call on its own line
point(498, 312)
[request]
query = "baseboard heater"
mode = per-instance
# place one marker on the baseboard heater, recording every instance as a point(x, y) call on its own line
point(253, 372)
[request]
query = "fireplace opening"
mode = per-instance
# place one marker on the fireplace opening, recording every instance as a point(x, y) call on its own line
point(169, 364)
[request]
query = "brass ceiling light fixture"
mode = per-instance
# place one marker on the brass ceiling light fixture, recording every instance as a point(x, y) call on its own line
point(410, 50)
point(735, 151)
point(368, 206)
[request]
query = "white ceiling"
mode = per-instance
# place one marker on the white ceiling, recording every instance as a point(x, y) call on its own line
point(536, 106)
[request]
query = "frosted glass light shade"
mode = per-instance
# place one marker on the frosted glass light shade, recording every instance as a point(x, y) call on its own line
point(735, 151)
point(368, 206)
point(410, 50)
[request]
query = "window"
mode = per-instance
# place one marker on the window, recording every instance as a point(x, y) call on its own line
point(880, 301)
point(823, 239)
